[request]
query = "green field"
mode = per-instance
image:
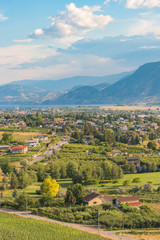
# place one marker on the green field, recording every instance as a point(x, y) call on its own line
point(17, 228)
point(154, 177)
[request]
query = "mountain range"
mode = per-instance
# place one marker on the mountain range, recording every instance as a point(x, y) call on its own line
point(143, 85)
point(39, 91)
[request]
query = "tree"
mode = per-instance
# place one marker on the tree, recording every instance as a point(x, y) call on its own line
point(50, 186)
point(136, 180)
point(71, 168)
point(148, 187)
point(77, 191)
point(24, 179)
point(152, 145)
point(69, 198)
point(7, 137)
point(6, 168)
point(5, 183)
point(109, 136)
point(14, 181)
point(77, 177)
point(41, 174)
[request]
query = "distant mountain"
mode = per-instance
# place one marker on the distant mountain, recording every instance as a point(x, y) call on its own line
point(46, 91)
point(142, 85)
point(68, 83)
point(14, 93)
point(19, 94)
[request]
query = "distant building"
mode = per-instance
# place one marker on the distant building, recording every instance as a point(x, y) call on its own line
point(19, 149)
point(97, 199)
point(33, 143)
point(4, 147)
point(134, 160)
point(43, 137)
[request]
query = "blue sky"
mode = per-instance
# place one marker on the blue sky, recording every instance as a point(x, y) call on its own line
point(52, 40)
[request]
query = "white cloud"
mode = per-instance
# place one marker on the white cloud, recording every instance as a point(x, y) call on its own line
point(133, 4)
point(145, 24)
point(23, 40)
point(3, 18)
point(149, 47)
point(107, 1)
point(12, 56)
point(42, 62)
point(73, 22)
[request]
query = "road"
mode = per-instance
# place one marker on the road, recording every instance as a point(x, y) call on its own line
point(106, 234)
point(49, 151)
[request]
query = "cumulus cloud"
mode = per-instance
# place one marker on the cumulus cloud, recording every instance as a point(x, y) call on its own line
point(3, 18)
point(133, 4)
point(73, 22)
point(145, 24)
point(64, 65)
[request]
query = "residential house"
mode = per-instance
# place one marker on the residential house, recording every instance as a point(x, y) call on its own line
point(19, 149)
point(33, 143)
point(43, 137)
point(97, 199)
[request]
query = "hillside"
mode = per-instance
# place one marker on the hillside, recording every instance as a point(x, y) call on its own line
point(142, 85)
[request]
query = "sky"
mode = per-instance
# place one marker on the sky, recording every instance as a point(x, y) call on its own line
point(43, 40)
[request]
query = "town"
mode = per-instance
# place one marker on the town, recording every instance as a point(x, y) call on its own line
point(70, 163)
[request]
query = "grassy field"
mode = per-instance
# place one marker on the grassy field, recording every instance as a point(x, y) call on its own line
point(155, 206)
point(154, 177)
point(30, 190)
point(129, 108)
point(16, 228)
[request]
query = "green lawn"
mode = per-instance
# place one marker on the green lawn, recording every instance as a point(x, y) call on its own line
point(17, 228)
point(30, 190)
point(145, 177)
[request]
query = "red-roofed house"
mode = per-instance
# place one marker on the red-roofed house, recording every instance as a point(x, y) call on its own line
point(19, 149)
point(97, 199)
point(132, 200)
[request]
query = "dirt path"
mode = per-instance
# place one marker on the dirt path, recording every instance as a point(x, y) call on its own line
point(105, 234)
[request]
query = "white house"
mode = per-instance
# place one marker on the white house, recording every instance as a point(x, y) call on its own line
point(33, 143)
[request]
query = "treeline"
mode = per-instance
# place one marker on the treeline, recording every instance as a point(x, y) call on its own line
point(15, 179)
point(87, 173)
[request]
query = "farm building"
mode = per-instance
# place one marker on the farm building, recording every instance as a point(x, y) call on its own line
point(19, 149)
point(132, 200)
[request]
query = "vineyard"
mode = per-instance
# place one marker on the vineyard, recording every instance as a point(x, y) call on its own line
point(22, 136)
point(15, 228)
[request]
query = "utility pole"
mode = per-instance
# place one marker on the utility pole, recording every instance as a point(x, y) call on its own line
point(26, 203)
point(98, 221)
point(0, 199)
